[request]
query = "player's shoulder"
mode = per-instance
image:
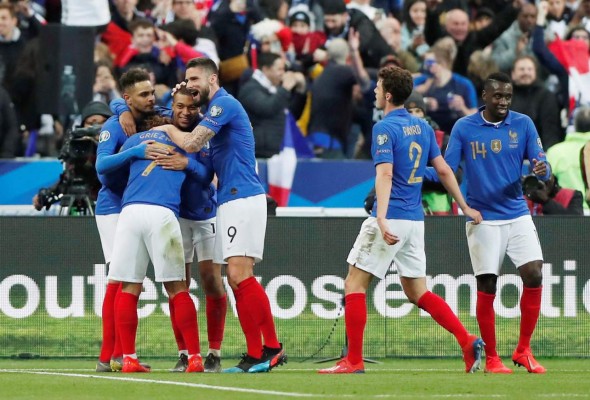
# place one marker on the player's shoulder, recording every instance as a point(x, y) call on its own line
point(516, 117)
point(111, 131)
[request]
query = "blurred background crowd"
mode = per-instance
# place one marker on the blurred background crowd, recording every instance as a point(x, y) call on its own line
point(317, 59)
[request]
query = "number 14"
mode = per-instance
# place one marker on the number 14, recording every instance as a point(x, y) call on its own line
point(478, 148)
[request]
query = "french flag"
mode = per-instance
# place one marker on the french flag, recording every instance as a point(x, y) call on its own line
point(573, 55)
point(281, 167)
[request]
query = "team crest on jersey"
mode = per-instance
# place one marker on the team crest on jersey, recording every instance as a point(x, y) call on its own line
point(104, 136)
point(215, 111)
point(496, 145)
point(381, 139)
point(513, 136)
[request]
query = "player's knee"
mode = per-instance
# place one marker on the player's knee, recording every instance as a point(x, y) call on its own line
point(532, 276)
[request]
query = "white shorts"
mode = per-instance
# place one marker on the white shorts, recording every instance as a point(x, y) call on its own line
point(107, 225)
point(371, 254)
point(147, 232)
point(197, 236)
point(241, 227)
point(489, 243)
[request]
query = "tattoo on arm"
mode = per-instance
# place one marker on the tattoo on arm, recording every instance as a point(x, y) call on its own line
point(195, 140)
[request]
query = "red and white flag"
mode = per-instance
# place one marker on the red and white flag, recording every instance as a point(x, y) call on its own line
point(573, 55)
point(281, 167)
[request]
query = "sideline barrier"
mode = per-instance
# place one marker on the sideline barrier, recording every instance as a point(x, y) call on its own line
point(52, 281)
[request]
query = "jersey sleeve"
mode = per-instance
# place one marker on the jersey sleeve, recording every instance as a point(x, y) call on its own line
point(220, 113)
point(111, 138)
point(455, 147)
point(382, 145)
point(118, 106)
point(534, 147)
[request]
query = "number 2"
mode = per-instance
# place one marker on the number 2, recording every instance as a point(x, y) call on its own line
point(418, 156)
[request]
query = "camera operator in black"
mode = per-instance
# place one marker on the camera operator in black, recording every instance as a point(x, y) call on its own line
point(548, 198)
point(79, 156)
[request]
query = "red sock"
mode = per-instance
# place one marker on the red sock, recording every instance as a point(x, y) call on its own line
point(216, 309)
point(126, 320)
point(248, 323)
point(355, 319)
point(486, 319)
point(177, 334)
point(108, 323)
point(185, 316)
point(118, 350)
point(440, 311)
point(260, 308)
point(530, 306)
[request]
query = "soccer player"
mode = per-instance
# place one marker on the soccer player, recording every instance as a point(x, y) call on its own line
point(148, 229)
point(138, 93)
point(402, 145)
point(494, 142)
point(197, 224)
point(241, 213)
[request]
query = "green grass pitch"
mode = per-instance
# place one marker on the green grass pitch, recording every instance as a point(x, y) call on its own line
point(392, 378)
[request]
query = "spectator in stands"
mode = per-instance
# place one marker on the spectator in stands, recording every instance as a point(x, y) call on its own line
point(483, 18)
point(516, 40)
point(449, 96)
point(202, 40)
point(105, 84)
point(117, 34)
point(12, 43)
point(266, 96)
point(414, 18)
point(231, 21)
point(332, 90)
point(558, 18)
point(582, 15)
point(391, 30)
point(29, 19)
point(548, 198)
point(457, 27)
point(365, 6)
point(337, 23)
point(565, 157)
point(8, 126)
point(532, 99)
point(305, 38)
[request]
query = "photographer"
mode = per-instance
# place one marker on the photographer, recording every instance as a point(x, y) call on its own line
point(79, 156)
point(548, 198)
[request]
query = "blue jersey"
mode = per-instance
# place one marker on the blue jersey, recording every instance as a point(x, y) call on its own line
point(110, 141)
point(198, 196)
point(408, 143)
point(493, 157)
point(232, 148)
point(149, 183)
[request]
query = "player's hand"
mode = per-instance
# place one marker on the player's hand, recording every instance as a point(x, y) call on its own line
point(178, 86)
point(539, 168)
point(474, 215)
point(153, 150)
point(389, 237)
point(174, 161)
point(36, 203)
point(127, 123)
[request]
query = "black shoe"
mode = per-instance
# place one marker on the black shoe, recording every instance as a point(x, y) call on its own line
point(244, 365)
point(271, 358)
point(212, 363)
point(181, 364)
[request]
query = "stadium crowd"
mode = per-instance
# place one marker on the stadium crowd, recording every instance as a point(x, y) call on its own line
point(311, 57)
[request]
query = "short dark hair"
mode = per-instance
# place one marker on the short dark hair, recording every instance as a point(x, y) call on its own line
point(133, 76)
point(497, 77)
point(398, 82)
point(267, 59)
point(183, 91)
point(203, 62)
point(140, 23)
point(525, 57)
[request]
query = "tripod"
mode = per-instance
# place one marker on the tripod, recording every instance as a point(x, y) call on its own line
point(76, 204)
point(344, 351)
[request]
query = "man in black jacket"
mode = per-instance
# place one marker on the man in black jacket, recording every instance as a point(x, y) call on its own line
point(265, 97)
point(531, 98)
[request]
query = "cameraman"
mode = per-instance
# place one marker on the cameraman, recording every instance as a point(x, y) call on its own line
point(548, 198)
point(94, 113)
